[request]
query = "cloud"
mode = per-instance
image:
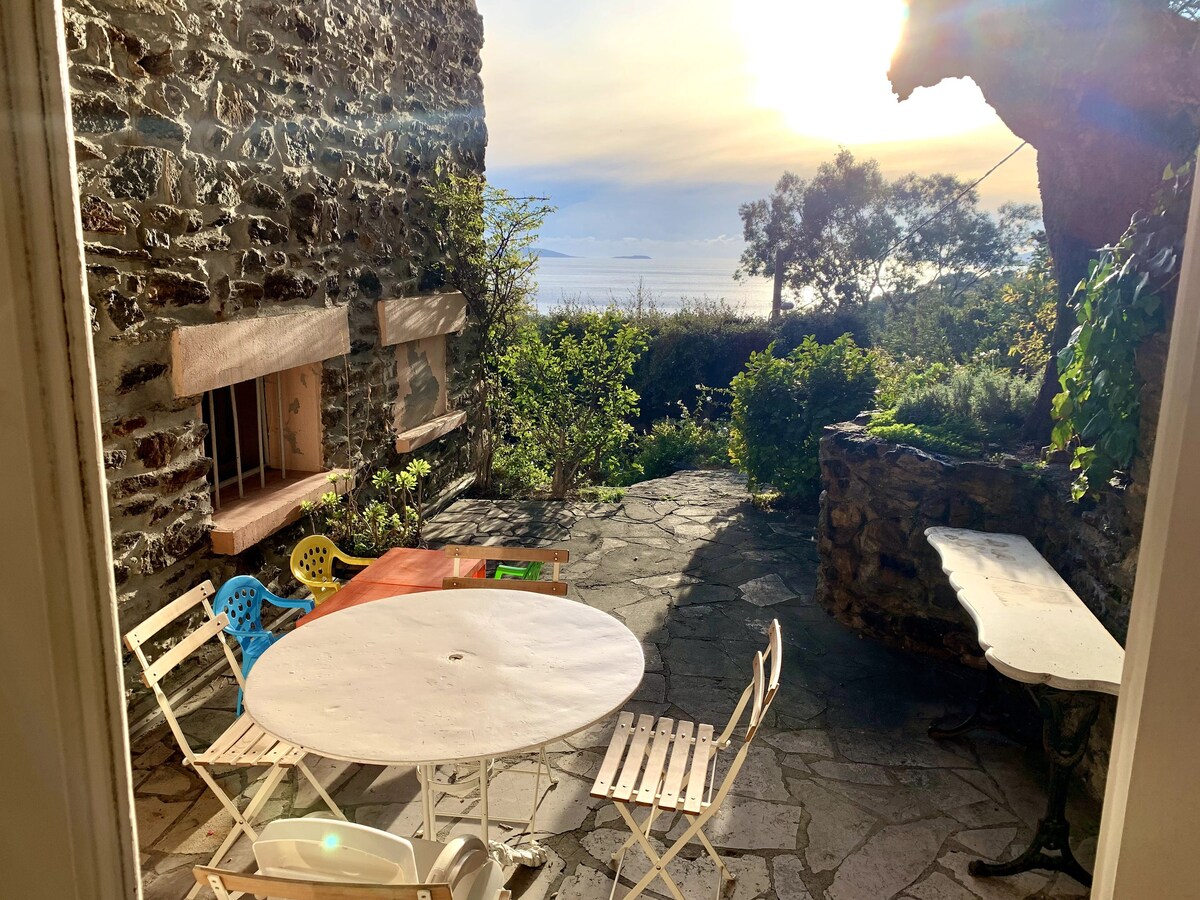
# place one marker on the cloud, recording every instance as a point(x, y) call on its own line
point(650, 118)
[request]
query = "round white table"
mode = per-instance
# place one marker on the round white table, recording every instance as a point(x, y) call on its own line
point(444, 676)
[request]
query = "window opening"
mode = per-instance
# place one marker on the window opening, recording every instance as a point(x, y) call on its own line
point(238, 430)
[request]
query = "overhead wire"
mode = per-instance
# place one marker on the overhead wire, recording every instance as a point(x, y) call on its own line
point(883, 257)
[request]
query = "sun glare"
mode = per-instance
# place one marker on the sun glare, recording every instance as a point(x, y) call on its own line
point(823, 67)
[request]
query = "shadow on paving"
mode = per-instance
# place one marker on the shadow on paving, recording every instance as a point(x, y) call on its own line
point(843, 796)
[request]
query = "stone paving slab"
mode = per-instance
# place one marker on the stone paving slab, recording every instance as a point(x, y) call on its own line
point(843, 798)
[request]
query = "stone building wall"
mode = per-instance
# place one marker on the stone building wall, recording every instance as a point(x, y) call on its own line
point(879, 575)
point(245, 159)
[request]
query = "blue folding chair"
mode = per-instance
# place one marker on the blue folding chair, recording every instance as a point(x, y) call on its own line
point(241, 599)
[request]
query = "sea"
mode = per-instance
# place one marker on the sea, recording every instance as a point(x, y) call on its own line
point(668, 283)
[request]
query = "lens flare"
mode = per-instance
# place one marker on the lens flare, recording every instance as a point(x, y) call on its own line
point(823, 67)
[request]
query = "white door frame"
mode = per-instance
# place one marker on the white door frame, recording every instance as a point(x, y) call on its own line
point(1150, 830)
point(67, 829)
point(66, 823)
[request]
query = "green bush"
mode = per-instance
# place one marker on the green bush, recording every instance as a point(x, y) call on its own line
point(570, 398)
point(518, 473)
point(823, 325)
point(935, 438)
point(368, 521)
point(978, 404)
point(703, 343)
point(684, 443)
point(959, 411)
point(782, 404)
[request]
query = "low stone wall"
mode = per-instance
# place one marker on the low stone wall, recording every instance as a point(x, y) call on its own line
point(879, 575)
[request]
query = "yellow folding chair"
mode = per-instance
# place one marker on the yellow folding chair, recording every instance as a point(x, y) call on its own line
point(242, 744)
point(312, 565)
point(672, 766)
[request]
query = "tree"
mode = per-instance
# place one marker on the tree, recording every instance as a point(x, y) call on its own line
point(847, 226)
point(949, 244)
point(570, 396)
point(771, 229)
point(485, 235)
point(849, 235)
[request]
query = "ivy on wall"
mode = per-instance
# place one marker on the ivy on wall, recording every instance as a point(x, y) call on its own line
point(1118, 305)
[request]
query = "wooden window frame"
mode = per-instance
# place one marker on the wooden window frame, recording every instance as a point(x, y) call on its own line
point(284, 355)
point(421, 326)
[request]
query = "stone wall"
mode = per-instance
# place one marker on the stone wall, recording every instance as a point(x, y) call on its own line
point(239, 159)
point(879, 575)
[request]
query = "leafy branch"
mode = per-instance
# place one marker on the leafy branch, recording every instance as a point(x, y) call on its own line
point(1118, 306)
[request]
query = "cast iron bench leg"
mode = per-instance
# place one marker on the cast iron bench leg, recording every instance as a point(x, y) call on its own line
point(940, 732)
point(1068, 717)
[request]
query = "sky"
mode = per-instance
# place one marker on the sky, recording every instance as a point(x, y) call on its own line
point(647, 122)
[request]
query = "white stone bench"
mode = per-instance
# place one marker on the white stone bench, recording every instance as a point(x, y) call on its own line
point(1031, 626)
point(1035, 630)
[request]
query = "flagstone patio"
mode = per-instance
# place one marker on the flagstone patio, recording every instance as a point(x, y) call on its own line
point(844, 797)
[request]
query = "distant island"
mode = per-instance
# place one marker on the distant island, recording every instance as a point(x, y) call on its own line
point(541, 252)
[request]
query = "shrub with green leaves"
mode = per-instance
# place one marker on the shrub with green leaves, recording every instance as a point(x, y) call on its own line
point(960, 411)
point(782, 404)
point(687, 442)
point(935, 438)
point(570, 396)
point(517, 472)
point(368, 526)
point(1122, 302)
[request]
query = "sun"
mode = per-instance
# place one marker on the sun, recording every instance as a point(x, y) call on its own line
point(823, 67)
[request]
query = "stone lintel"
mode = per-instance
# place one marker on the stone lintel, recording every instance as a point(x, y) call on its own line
point(410, 440)
point(206, 357)
point(404, 319)
point(242, 522)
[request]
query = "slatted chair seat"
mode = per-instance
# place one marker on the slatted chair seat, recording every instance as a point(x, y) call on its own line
point(663, 764)
point(244, 743)
point(671, 766)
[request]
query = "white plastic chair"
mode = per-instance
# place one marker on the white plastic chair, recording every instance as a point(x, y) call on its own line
point(647, 765)
point(324, 850)
point(316, 852)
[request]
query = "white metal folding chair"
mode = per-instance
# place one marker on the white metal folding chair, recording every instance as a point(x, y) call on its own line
point(672, 766)
point(242, 744)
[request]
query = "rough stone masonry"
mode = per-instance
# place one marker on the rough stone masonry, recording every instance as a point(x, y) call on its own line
point(879, 575)
point(240, 159)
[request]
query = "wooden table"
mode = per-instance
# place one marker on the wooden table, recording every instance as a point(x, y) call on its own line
point(1035, 630)
point(446, 676)
point(401, 570)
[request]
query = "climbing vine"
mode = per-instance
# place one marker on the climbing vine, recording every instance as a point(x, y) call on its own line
point(1121, 302)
